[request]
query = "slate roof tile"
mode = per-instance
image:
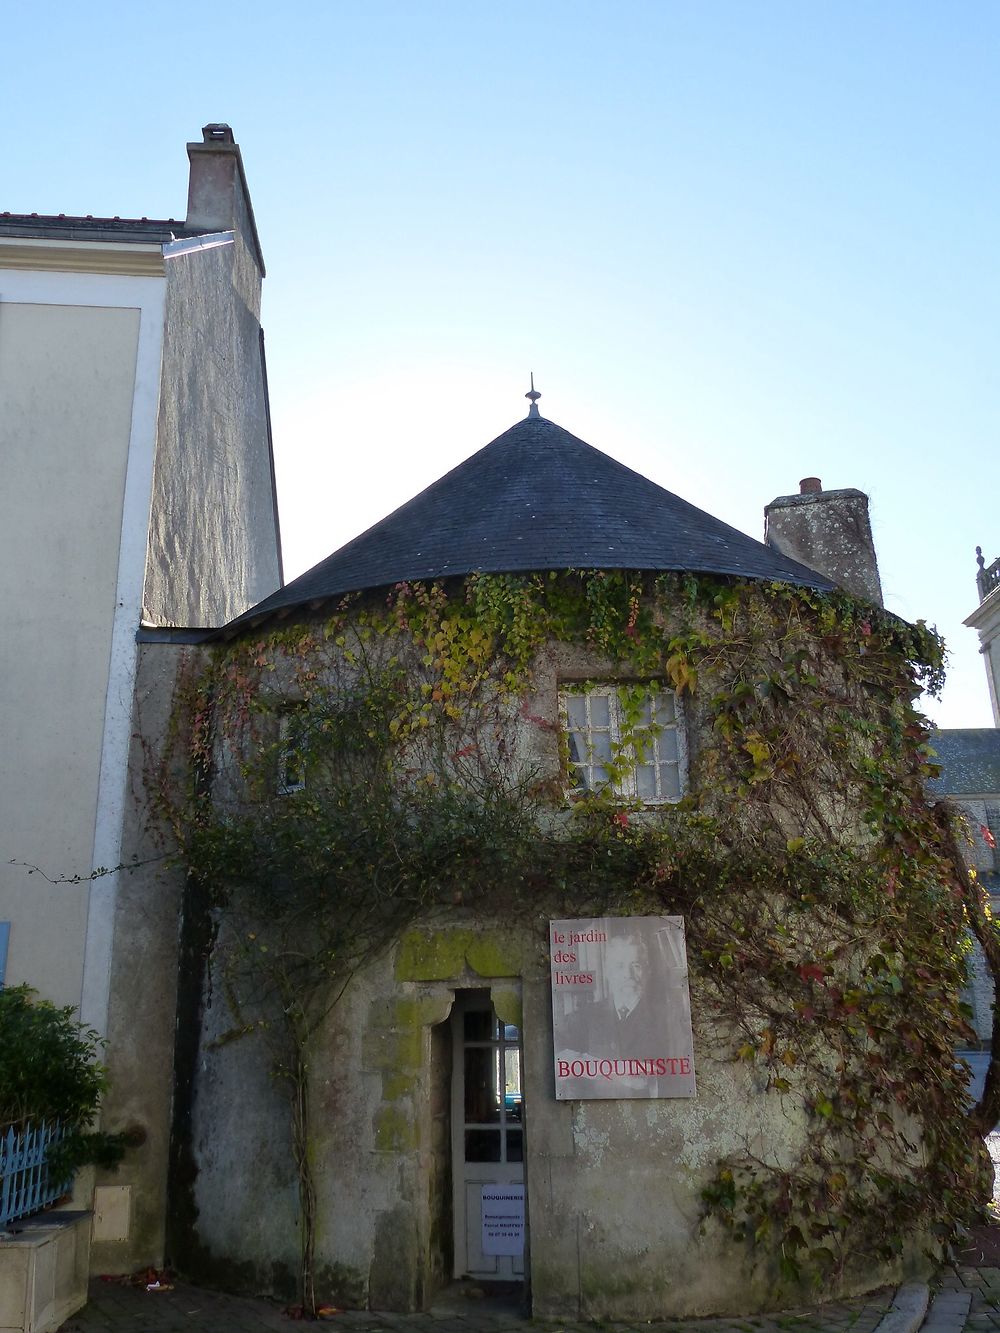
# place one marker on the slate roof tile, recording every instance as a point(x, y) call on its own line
point(66, 227)
point(536, 498)
point(970, 761)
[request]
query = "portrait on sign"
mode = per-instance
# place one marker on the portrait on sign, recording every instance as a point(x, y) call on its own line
point(621, 1011)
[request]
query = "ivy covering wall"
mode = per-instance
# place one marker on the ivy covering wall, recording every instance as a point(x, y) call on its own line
point(825, 900)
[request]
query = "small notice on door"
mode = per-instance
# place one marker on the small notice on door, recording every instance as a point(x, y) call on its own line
point(503, 1219)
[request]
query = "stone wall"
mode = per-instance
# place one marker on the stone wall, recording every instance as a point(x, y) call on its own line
point(143, 985)
point(614, 1188)
point(213, 505)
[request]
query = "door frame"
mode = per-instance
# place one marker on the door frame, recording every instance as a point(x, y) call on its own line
point(466, 1175)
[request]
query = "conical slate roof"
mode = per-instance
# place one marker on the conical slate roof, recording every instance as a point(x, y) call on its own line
point(536, 498)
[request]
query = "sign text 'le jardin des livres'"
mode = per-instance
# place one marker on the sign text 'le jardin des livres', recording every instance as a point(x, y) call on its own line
point(621, 1012)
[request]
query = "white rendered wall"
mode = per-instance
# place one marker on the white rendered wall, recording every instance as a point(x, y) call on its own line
point(986, 621)
point(79, 377)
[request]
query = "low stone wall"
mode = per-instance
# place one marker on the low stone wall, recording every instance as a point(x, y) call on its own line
point(43, 1271)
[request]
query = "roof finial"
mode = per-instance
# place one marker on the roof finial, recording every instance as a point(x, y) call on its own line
point(534, 395)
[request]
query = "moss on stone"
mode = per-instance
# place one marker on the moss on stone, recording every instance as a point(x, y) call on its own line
point(394, 1050)
point(420, 1011)
point(395, 1130)
point(495, 953)
point(507, 1003)
point(397, 1085)
point(446, 954)
point(432, 955)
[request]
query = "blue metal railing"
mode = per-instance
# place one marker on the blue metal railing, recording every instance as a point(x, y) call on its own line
point(26, 1184)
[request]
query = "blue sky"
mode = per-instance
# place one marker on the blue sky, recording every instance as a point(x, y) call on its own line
point(738, 243)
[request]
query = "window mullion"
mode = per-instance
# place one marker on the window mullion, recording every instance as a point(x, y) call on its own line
point(625, 785)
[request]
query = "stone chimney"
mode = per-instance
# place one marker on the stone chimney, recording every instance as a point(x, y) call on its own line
point(830, 532)
point(218, 198)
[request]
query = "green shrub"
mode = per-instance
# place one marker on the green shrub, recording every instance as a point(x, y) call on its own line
point(49, 1071)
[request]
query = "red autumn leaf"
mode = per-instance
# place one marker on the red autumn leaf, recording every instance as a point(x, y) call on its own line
point(810, 971)
point(988, 837)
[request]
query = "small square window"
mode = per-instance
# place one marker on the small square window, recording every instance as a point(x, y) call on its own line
point(626, 737)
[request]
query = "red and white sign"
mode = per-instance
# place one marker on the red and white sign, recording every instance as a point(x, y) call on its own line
point(621, 1011)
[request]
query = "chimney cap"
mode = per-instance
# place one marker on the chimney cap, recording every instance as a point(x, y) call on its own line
point(217, 132)
point(218, 197)
point(810, 486)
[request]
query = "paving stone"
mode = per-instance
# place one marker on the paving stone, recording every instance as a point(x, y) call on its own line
point(115, 1308)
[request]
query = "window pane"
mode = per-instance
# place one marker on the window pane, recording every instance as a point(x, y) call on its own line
point(643, 743)
point(577, 748)
point(645, 712)
point(515, 1145)
point(599, 777)
point(482, 1145)
point(482, 1095)
point(576, 711)
point(670, 783)
point(512, 1071)
point(668, 745)
point(645, 782)
point(479, 1025)
point(600, 712)
point(601, 747)
point(291, 765)
point(664, 708)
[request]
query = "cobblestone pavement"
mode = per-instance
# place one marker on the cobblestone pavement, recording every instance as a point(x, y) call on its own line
point(964, 1300)
point(125, 1309)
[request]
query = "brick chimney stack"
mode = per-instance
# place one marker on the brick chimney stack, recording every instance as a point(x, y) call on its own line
point(218, 198)
point(830, 532)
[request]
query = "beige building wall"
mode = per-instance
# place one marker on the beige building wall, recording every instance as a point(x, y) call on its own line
point(79, 358)
point(136, 449)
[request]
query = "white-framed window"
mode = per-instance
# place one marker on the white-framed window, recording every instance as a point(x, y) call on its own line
point(628, 737)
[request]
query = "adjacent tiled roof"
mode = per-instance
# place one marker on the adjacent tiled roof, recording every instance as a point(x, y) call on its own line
point(969, 759)
point(536, 498)
point(61, 227)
